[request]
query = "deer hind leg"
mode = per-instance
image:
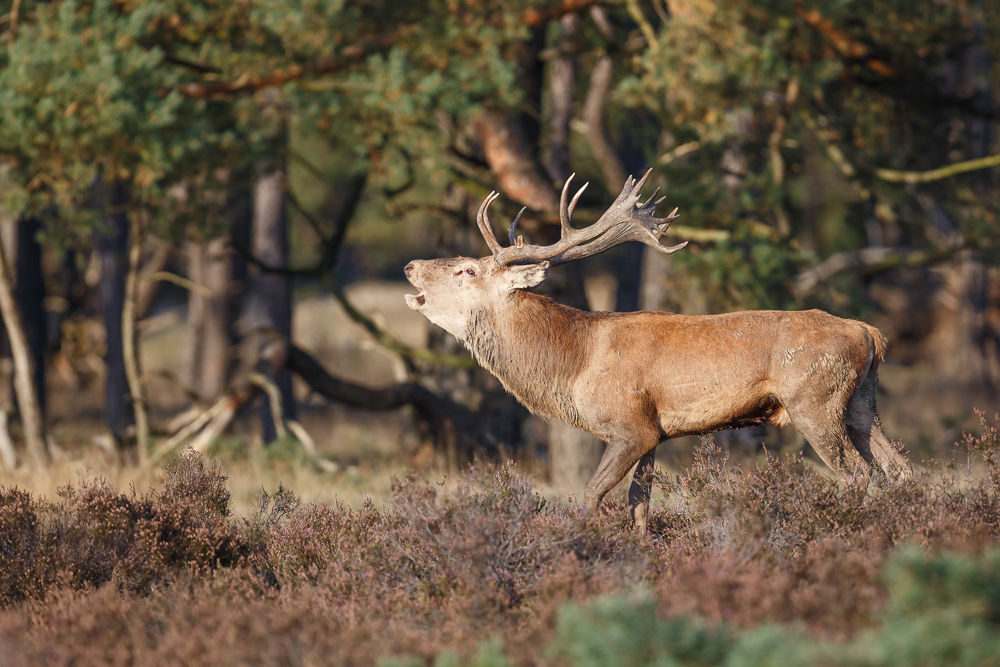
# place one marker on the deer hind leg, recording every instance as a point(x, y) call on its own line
point(818, 409)
point(829, 438)
point(640, 490)
point(865, 431)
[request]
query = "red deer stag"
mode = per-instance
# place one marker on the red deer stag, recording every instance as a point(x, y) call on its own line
point(637, 379)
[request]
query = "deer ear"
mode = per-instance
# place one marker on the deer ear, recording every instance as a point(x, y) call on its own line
point(524, 276)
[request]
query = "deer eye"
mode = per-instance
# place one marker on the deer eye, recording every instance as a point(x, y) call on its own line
point(471, 272)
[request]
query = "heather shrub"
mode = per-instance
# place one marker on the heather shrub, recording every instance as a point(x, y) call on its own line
point(22, 572)
point(780, 541)
point(486, 546)
point(95, 534)
point(761, 564)
point(493, 536)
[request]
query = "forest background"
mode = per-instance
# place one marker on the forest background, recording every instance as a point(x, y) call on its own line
point(205, 207)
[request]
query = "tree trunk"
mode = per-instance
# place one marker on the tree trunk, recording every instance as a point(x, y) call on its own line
point(961, 336)
point(573, 454)
point(240, 230)
point(24, 371)
point(210, 317)
point(274, 291)
point(111, 244)
point(29, 290)
point(562, 84)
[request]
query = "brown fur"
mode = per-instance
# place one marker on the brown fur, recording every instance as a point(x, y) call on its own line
point(636, 379)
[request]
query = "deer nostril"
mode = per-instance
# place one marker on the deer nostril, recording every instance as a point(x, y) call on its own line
point(408, 269)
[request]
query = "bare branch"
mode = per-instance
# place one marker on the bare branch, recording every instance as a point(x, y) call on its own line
point(940, 173)
point(190, 286)
point(274, 397)
point(870, 260)
point(842, 42)
point(836, 155)
point(635, 11)
point(253, 81)
point(532, 17)
point(678, 152)
point(130, 350)
point(15, 10)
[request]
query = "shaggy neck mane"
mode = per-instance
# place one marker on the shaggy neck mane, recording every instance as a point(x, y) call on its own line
point(536, 347)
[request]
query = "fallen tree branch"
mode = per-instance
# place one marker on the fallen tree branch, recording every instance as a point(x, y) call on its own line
point(274, 398)
point(192, 428)
point(438, 412)
point(216, 427)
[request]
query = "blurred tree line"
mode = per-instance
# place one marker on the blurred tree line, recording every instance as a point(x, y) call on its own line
point(829, 153)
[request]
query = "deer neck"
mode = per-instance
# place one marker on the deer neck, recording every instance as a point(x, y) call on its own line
point(536, 348)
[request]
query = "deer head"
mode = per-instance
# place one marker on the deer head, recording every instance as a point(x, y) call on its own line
point(453, 291)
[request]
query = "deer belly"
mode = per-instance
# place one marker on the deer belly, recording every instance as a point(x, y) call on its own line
point(706, 411)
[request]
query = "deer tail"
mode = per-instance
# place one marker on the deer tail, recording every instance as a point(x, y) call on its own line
point(879, 343)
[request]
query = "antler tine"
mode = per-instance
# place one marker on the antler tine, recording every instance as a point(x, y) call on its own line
point(637, 187)
point(485, 228)
point(653, 196)
point(576, 198)
point(564, 213)
point(513, 226)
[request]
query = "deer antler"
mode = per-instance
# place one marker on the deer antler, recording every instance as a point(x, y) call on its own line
point(625, 220)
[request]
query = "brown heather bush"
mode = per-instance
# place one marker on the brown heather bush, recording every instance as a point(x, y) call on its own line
point(169, 577)
point(95, 534)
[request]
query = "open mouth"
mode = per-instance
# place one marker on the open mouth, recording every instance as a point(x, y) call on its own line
point(414, 301)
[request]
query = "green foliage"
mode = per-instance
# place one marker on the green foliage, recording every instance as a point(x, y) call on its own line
point(763, 85)
point(942, 610)
point(92, 89)
point(626, 630)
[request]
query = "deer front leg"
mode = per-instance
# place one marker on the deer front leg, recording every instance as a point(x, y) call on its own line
point(618, 459)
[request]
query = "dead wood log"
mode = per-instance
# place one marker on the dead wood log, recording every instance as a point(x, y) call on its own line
point(446, 419)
